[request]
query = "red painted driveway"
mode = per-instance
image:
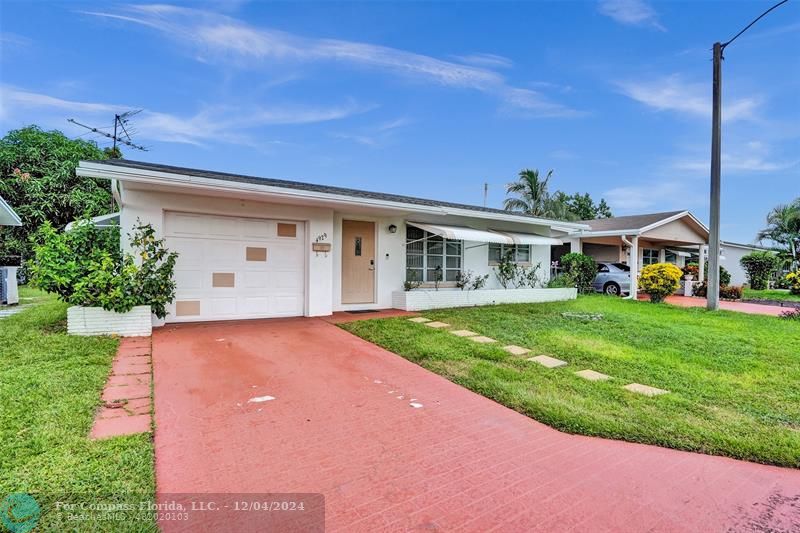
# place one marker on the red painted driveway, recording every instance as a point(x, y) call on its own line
point(458, 462)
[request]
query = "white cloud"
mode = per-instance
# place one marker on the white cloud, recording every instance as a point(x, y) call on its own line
point(631, 13)
point(673, 93)
point(215, 37)
point(662, 195)
point(485, 60)
point(753, 156)
point(211, 123)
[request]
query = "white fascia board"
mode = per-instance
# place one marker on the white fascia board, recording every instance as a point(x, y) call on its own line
point(673, 218)
point(747, 246)
point(93, 170)
point(611, 233)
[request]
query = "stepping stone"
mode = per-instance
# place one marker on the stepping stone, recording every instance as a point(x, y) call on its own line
point(547, 361)
point(437, 324)
point(644, 389)
point(464, 333)
point(419, 319)
point(516, 350)
point(591, 375)
point(480, 339)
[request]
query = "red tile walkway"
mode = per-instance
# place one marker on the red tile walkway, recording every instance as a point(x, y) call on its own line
point(742, 307)
point(341, 424)
point(127, 392)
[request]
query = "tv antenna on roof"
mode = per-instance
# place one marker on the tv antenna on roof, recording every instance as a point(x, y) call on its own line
point(121, 134)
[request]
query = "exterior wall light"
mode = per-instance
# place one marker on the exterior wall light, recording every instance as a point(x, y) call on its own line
point(392, 228)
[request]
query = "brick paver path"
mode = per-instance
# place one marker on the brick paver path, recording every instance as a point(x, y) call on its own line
point(342, 424)
point(127, 395)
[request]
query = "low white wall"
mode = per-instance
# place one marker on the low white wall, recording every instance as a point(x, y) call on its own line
point(420, 300)
point(97, 321)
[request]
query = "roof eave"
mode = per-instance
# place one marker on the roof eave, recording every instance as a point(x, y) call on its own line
point(94, 169)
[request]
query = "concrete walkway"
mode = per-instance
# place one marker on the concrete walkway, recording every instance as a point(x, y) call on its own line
point(742, 307)
point(301, 406)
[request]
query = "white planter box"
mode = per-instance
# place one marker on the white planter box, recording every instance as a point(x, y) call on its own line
point(420, 300)
point(97, 321)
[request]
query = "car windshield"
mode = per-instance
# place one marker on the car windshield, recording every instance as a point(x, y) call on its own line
point(622, 266)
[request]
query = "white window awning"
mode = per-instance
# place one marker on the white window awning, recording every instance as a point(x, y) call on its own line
point(680, 253)
point(530, 238)
point(461, 233)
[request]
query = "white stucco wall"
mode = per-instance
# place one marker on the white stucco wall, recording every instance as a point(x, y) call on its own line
point(730, 260)
point(150, 206)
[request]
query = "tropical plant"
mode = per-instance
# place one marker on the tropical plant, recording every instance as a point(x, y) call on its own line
point(726, 292)
point(529, 276)
point(84, 266)
point(793, 281)
point(783, 227)
point(37, 177)
point(437, 276)
point(659, 280)
point(581, 269)
point(531, 195)
point(411, 281)
point(760, 267)
point(469, 280)
point(694, 270)
point(506, 270)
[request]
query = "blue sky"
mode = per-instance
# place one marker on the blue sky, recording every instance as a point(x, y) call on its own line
point(430, 100)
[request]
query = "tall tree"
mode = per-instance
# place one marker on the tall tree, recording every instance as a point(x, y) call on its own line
point(783, 227)
point(37, 178)
point(530, 194)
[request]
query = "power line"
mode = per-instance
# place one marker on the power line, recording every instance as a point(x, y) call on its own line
point(762, 15)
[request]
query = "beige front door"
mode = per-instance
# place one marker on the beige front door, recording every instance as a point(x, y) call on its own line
point(358, 262)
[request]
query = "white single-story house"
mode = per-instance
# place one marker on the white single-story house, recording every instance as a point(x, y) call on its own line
point(258, 247)
point(676, 237)
point(8, 274)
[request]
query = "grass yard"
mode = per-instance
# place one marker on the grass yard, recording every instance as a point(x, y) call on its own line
point(771, 294)
point(50, 385)
point(733, 377)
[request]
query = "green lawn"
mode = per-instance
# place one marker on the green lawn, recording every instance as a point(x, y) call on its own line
point(772, 294)
point(50, 386)
point(734, 378)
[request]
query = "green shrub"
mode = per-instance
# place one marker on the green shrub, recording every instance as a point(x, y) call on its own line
point(562, 281)
point(760, 267)
point(85, 267)
point(660, 280)
point(726, 292)
point(581, 269)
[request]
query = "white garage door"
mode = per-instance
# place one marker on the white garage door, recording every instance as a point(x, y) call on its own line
point(231, 267)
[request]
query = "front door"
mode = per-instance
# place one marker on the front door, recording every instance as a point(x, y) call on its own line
point(358, 262)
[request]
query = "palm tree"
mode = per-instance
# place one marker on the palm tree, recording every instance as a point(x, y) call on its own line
point(783, 227)
point(531, 194)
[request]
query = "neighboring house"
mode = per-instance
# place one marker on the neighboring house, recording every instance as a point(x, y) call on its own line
point(256, 247)
point(676, 237)
point(8, 274)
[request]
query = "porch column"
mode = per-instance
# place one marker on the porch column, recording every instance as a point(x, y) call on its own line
point(702, 263)
point(576, 246)
point(662, 255)
point(634, 264)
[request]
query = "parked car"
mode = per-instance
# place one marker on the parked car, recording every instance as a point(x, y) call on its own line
point(613, 279)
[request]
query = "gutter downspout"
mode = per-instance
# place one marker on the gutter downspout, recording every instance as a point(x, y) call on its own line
point(634, 265)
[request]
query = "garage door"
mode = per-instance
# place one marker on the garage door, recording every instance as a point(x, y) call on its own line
point(232, 267)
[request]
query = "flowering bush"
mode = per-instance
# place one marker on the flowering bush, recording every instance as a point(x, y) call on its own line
point(793, 279)
point(726, 292)
point(691, 269)
point(660, 280)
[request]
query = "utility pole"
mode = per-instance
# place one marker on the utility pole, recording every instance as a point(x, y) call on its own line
point(712, 302)
point(712, 295)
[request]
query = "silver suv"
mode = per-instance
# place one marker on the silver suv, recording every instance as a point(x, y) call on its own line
point(613, 279)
